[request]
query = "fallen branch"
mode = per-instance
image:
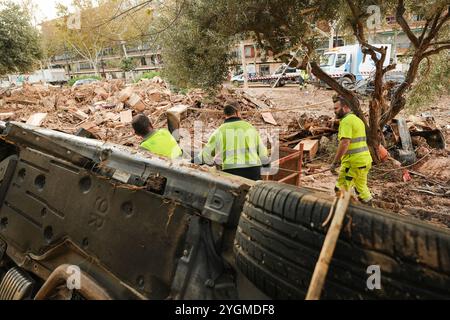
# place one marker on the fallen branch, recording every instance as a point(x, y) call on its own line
point(329, 245)
point(405, 167)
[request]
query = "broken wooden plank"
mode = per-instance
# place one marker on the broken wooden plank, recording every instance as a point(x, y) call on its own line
point(6, 115)
point(268, 118)
point(126, 116)
point(23, 101)
point(136, 103)
point(174, 117)
point(110, 116)
point(257, 102)
point(310, 148)
point(79, 114)
point(88, 126)
point(37, 119)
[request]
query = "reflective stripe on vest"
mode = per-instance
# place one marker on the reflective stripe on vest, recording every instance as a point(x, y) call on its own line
point(360, 139)
point(356, 151)
point(236, 145)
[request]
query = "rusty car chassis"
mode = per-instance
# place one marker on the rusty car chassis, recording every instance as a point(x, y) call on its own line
point(138, 227)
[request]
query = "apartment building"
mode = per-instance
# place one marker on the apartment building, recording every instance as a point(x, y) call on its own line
point(145, 58)
point(390, 32)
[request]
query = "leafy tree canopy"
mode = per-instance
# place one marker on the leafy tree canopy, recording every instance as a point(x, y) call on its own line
point(19, 40)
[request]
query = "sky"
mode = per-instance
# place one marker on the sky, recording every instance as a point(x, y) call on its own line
point(46, 8)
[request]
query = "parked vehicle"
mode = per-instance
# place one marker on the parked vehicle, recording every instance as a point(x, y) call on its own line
point(84, 81)
point(348, 65)
point(283, 73)
point(239, 79)
point(51, 76)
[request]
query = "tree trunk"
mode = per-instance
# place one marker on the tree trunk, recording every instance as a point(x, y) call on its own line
point(374, 134)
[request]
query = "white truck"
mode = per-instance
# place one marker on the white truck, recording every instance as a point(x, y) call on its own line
point(348, 65)
point(52, 76)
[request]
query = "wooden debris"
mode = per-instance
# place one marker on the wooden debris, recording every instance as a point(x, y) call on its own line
point(126, 116)
point(268, 117)
point(37, 119)
point(88, 126)
point(136, 103)
point(174, 117)
point(329, 246)
point(24, 101)
point(79, 114)
point(257, 102)
point(310, 148)
point(101, 92)
point(125, 94)
point(6, 115)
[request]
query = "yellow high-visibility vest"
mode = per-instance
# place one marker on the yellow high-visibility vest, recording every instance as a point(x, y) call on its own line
point(235, 145)
point(162, 143)
point(352, 127)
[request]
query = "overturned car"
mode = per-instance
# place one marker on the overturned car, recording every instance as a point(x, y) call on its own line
point(84, 219)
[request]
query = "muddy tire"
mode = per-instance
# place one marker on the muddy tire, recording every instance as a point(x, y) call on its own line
point(280, 236)
point(347, 83)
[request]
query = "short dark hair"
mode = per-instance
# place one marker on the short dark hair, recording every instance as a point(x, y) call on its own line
point(230, 110)
point(141, 125)
point(341, 99)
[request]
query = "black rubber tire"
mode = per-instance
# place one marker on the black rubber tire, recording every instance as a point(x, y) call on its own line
point(280, 237)
point(347, 83)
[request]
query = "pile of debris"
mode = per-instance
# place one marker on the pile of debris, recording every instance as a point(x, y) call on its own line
point(104, 110)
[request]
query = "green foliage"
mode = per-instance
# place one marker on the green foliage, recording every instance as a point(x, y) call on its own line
point(127, 64)
point(194, 55)
point(19, 40)
point(149, 75)
point(73, 80)
point(432, 81)
point(196, 47)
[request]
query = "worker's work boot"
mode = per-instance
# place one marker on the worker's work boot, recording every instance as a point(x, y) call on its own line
point(368, 202)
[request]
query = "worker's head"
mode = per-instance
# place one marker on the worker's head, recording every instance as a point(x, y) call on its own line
point(142, 125)
point(341, 107)
point(231, 110)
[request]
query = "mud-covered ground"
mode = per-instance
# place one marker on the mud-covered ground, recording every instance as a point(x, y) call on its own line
point(391, 192)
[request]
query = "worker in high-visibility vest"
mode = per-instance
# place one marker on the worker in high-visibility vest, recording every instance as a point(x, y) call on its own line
point(303, 79)
point(236, 146)
point(353, 153)
point(158, 142)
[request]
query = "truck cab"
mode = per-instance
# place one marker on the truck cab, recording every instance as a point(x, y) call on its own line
point(350, 62)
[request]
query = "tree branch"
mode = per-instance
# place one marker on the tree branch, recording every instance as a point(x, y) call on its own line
point(358, 31)
point(346, 94)
point(443, 20)
point(424, 31)
point(439, 43)
point(435, 51)
point(438, 22)
point(404, 25)
point(389, 68)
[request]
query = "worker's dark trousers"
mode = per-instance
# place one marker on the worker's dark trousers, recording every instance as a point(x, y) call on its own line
point(253, 173)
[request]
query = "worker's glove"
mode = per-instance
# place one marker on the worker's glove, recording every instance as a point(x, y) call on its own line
point(333, 168)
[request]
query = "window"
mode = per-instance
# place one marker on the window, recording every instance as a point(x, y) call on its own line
point(338, 42)
point(341, 60)
point(143, 61)
point(249, 51)
point(391, 19)
point(107, 52)
point(85, 66)
point(327, 60)
point(264, 70)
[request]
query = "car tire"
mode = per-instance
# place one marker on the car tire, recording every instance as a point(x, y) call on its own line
point(280, 236)
point(347, 83)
